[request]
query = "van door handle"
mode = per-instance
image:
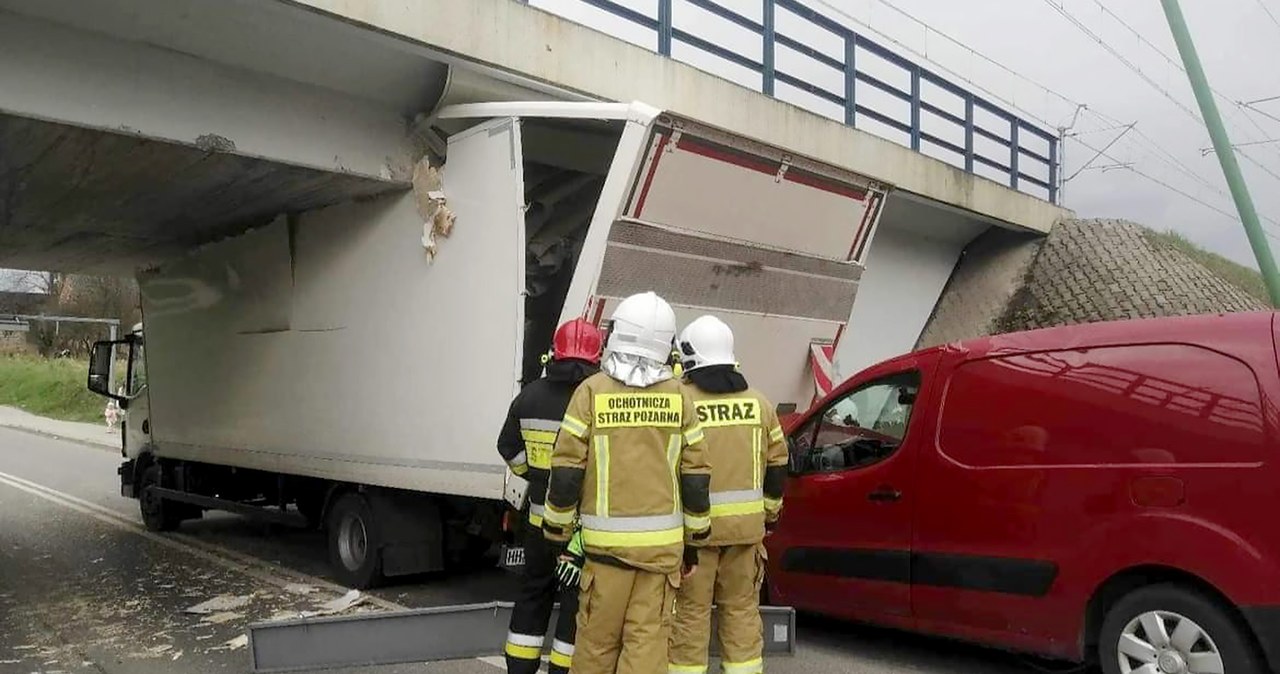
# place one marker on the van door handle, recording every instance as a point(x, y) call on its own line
point(884, 495)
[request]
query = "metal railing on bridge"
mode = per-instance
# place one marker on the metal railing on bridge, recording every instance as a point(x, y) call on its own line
point(933, 115)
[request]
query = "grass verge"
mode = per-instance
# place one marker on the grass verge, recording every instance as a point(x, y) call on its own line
point(52, 388)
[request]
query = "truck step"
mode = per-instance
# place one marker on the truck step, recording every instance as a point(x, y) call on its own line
point(426, 635)
point(273, 515)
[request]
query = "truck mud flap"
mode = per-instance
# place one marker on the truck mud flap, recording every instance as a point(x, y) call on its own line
point(425, 635)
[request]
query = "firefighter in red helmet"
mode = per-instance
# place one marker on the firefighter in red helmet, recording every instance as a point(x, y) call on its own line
point(525, 443)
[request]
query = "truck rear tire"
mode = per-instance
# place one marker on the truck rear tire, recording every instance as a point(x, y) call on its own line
point(157, 513)
point(355, 544)
point(1171, 628)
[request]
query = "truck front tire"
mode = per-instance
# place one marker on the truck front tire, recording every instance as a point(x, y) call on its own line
point(355, 543)
point(157, 514)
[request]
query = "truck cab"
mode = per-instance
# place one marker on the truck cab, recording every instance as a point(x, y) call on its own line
point(132, 396)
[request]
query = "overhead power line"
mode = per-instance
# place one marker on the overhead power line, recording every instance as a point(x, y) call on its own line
point(1265, 8)
point(1121, 58)
point(925, 57)
point(1109, 48)
point(1260, 100)
point(1206, 151)
point(1176, 190)
point(1149, 147)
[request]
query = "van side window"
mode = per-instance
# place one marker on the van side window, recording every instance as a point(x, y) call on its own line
point(860, 429)
point(1139, 404)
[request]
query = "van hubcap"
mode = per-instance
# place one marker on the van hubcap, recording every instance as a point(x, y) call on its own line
point(1163, 642)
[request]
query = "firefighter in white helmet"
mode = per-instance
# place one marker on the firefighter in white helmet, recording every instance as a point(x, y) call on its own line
point(629, 464)
point(748, 456)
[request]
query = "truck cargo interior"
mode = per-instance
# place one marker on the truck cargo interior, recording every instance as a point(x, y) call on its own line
point(565, 163)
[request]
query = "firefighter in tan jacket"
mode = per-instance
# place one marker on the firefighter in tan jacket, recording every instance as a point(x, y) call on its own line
point(629, 465)
point(748, 457)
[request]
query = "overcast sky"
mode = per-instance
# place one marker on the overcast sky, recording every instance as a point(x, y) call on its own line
point(1238, 42)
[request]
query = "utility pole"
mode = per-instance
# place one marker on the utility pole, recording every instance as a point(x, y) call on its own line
point(1222, 144)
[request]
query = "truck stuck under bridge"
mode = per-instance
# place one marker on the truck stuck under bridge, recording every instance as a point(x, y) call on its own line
point(322, 369)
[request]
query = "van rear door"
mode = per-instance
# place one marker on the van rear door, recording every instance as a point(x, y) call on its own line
point(716, 223)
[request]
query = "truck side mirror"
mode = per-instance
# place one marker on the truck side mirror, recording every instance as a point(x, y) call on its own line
point(101, 361)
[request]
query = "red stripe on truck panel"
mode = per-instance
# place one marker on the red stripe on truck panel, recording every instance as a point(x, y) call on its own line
point(653, 170)
point(767, 167)
point(855, 193)
point(859, 239)
point(728, 156)
point(595, 320)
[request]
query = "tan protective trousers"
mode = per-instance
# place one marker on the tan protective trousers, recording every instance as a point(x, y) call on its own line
point(624, 620)
point(729, 577)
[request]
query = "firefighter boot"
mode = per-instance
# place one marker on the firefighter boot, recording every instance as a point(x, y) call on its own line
point(566, 630)
point(624, 620)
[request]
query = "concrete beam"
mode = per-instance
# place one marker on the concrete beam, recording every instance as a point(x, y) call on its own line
point(520, 39)
point(55, 73)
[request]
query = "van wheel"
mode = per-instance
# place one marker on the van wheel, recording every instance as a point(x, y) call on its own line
point(1168, 629)
point(157, 513)
point(355, 546)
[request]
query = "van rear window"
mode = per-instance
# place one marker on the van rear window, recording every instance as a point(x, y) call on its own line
point(1140, 404)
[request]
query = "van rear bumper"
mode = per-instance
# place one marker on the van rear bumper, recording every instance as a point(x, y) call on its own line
point(1265, 621)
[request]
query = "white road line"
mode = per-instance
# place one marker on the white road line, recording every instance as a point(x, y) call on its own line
point(228, 559)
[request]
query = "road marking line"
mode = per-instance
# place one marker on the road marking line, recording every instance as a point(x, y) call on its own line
point(228, 559)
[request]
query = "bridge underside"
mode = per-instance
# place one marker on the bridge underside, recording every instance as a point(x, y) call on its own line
point(79, 199)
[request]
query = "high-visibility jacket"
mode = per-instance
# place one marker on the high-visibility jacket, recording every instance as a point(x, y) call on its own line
point(529, 435)
point(630, 463)
point(748, 455)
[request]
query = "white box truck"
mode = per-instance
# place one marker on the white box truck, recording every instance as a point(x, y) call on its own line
point(339, 368)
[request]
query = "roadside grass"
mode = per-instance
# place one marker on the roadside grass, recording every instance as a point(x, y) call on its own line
point(53, 388)
point(1238, 275)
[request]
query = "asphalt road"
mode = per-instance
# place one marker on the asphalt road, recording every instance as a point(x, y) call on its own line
point(83, 588)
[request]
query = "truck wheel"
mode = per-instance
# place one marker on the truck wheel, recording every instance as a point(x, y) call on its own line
point(1169, 629)
point(157, 513)
point(355, 546)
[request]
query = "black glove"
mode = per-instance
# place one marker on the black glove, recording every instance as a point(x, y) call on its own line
point(571, 559)
point(690, 557)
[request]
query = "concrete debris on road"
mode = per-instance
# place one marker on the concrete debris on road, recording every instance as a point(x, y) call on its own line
point(220, 603)
point(299, 588)
point(221, 617)
point(236, 643)
point(343, 603)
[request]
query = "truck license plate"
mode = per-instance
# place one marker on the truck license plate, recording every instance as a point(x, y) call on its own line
point(512, 558)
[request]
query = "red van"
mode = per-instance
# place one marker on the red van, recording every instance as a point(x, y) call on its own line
point(1102, 491)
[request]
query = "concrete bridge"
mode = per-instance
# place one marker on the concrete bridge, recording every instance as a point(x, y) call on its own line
point(134, 130)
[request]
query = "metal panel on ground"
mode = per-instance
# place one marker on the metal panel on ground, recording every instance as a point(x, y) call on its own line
point(424, 635)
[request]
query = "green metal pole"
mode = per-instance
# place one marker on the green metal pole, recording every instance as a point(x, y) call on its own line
point(1222, 144)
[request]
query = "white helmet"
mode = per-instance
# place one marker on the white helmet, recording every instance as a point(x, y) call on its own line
point(706, 342)
point(643, 325)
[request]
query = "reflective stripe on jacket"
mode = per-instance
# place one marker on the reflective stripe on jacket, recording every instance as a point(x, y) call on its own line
point(631, 462)
point(748, 456)
point(529, 436)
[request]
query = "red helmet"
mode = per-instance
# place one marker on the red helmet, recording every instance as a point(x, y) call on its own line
point(578, 340)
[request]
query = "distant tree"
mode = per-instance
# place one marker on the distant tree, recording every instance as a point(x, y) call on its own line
point(86, 297)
